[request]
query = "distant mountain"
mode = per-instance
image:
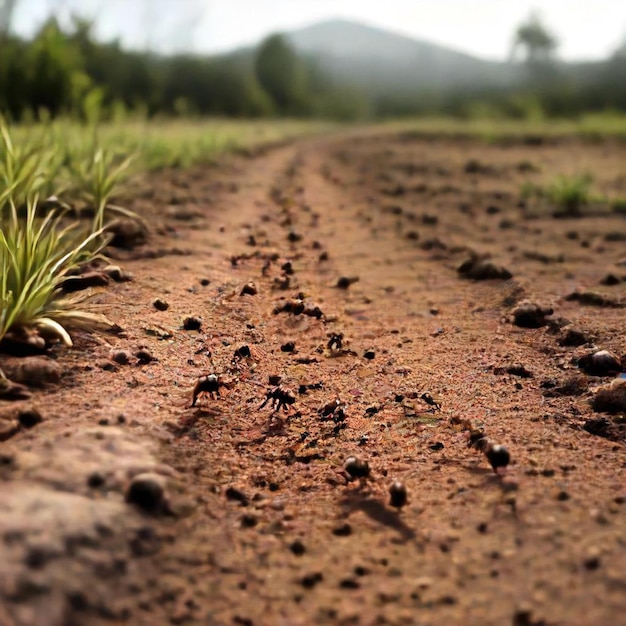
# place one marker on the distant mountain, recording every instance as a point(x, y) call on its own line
point(379, 60)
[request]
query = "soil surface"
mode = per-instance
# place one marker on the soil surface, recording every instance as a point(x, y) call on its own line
point(121, 503)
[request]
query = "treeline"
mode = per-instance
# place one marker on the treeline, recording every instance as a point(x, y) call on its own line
point(70, 73)
point(61, 72)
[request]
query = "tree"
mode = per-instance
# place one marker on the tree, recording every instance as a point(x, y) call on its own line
point(7, 7)
point(282, 74)
point(535, 40)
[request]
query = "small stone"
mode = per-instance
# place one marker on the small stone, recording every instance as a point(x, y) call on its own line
point(592, 560)
point(572, 336)
point(610, 280)
point(192, 323)
point(95, 480)
point(531, 315)
point(144, 356)
point(310, 580)
point(344, 282)
point(297, 547)
point(249, 289)
point(290, 346)
point(116, 273)
point(369, 354)
point(127, 233)
point(28, 418)
point(601, 363)
point(483, 269)
point(397, 494)
point(147, 491)
point(293, 236)
point(498, 456)
point(160, 305)
point(232, 493)
point(248, 521)
point(121, 357)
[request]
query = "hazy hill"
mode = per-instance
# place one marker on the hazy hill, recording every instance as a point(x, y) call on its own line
point(380, 60)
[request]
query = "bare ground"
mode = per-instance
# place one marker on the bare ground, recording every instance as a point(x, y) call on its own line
point(257, 524)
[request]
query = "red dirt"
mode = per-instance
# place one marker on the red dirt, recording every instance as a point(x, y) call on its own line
point(260, 526)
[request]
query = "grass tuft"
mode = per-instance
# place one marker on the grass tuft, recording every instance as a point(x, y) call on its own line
point(570, 194)
point(36, 254)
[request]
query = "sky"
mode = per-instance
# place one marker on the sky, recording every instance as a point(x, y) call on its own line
point(585, 30)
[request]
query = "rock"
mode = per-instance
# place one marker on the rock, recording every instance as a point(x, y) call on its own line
point(160, 305)
point(28, 418)
point(572, 336)
point(121, 357)
point(78, 283)
point(144, 356)
point(147, 491)
point(483, 269)
point(397, 494)
point(297, 547)
point(116, 273)
point(593, 298)
point(127, 233)
point(345, 281)
point(611, 399)
point(572, 386)
point(531, 315)
point(610, 280)
point(249, 289)
point(35, 371)
point(192, 323)
point(601, 363)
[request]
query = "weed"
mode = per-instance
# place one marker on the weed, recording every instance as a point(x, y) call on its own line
point(570, 194)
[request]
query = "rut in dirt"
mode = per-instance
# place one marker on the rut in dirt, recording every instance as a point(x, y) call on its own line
point(330, 269)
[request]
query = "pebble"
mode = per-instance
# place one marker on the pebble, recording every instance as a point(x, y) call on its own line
point(601, 363)
point(147, 491)
point(192, 323)
point(160, 305)
point(249, 289)
point(28, 418)
point(121, 357)
point(531, 315)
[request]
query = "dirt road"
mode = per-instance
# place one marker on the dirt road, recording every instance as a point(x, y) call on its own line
point(257, 522)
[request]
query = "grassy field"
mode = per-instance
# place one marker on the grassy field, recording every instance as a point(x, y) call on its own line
point(592, 126)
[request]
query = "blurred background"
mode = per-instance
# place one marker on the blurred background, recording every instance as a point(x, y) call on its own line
point(339, 60)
